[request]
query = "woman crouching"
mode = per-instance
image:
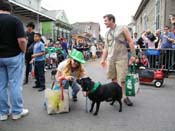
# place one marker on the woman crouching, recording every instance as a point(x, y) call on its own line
point(70, 70)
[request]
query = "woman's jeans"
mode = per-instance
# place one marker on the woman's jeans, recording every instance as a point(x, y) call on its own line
point(11, 77)
point(73, 84)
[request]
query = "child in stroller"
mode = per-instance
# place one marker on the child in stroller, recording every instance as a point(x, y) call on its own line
point(147, 75)
point(53, 57)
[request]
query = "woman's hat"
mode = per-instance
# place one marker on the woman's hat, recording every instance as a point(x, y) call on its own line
point(77, 55)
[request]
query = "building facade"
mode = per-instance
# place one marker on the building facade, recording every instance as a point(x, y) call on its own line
point(49, 23)
point(35, 4)
point(58, 28)
point(153, 14)
point(91, 28)
point(29, 10)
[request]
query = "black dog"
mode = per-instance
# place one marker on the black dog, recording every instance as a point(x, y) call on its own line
point(107, 92)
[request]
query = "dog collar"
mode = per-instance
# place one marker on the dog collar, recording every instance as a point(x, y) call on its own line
point(95, 87)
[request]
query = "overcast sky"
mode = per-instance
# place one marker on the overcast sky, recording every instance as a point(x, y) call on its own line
point(94, 10)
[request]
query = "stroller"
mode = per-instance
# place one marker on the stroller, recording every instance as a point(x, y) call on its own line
point(150, 76)
point(53, 57)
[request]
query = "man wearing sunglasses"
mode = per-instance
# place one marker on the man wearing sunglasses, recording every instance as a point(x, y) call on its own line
point(70, 70)
point(164, 42)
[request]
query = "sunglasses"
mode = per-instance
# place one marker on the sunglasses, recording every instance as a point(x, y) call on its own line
point(76, 61)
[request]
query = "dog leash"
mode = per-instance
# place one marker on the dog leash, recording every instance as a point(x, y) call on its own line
point(86, 103)
point(96, 86)
point(62, 91)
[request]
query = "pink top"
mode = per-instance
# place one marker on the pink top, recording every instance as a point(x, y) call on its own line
point(151, 44)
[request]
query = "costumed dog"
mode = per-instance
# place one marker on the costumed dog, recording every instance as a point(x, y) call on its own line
point(98, 93)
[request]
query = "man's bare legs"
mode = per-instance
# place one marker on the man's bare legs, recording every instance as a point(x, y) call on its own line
point(125, 99)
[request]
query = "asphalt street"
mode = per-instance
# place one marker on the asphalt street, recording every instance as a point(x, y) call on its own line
point(153, 110)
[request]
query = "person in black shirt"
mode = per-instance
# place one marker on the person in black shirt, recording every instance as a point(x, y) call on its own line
point(30, 37)
point(12, 48)
point(140, 43)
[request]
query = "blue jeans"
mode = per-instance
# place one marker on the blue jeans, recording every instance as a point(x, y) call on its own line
point(73, 84)
point(11, 75)
point(65, 54)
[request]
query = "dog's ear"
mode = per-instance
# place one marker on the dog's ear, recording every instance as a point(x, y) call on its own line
point(89, 78)
point(84, 77)
point(82, 84)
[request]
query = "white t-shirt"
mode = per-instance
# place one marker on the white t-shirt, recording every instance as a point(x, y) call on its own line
point(61, 66)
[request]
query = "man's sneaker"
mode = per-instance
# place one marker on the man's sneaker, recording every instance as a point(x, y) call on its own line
point(23, 113)
point(128, 102)
point(3, 117)
point(35, 87)
point(25, 82)
point(74, 98)
point(42, 89)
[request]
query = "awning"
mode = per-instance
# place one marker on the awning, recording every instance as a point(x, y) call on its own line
point(30, 13)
